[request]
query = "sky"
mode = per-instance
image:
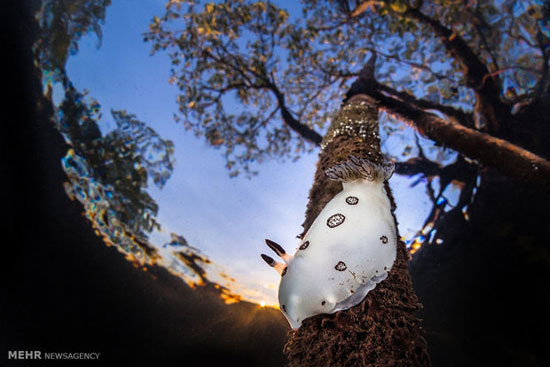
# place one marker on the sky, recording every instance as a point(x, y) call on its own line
point(226, 218)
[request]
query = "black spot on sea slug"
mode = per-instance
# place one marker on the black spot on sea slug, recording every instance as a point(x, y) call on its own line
point(341, 266)
point(384, 239)
point(352, 200)
point(335, 220)
point(323, 303)
point(304, 245)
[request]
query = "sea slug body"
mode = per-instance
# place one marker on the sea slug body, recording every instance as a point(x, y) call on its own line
point(349, 248)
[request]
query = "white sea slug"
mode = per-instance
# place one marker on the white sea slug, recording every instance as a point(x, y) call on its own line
point(349, 248)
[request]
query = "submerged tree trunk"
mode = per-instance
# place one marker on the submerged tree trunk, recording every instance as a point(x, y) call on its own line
point(485, 287)
point(383, 330)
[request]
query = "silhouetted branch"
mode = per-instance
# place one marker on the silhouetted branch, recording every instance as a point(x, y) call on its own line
point(489, 150)
point(460, 116)
point(486, 89)
point(418, 165)
point(304, 131)
point(264, 82)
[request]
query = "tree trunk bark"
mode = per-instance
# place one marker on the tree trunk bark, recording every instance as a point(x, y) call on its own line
point(383, 330)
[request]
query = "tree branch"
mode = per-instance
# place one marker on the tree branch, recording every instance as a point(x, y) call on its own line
point(486, 89)
point(480, 27)
point(415, 166)
point(489, 150)
point(462, 117)
point(303, 130)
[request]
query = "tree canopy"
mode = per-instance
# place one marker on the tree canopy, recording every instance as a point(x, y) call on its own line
point(260, 81)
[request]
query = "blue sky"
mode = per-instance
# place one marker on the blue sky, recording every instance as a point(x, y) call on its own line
point(226, 218)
